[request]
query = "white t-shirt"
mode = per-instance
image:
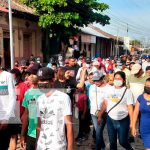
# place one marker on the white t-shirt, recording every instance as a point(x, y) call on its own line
point(52, 111)
point(7, 96)
point(96, 101)
point(112, 96)
point(144, 65)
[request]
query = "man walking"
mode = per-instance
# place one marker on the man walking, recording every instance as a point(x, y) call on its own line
point(54, 109)
point(7, 105)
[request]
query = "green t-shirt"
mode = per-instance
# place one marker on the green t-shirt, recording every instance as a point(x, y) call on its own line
point(30, 102)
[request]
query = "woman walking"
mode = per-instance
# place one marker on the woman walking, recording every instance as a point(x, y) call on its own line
point(118, 102)
point(143, 106)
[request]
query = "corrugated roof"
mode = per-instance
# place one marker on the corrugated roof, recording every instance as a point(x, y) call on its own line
point(103, 33)
point(89, 30)
point(3, 9)
point(16, 6)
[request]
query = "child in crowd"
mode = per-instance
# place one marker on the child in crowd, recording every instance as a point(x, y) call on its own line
point(81, 102)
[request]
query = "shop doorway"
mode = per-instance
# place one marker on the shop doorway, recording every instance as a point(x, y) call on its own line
point(27, 46)
point(6, 42)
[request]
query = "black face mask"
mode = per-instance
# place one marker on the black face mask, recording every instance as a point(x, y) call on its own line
point(43, 86)
point(147, 90)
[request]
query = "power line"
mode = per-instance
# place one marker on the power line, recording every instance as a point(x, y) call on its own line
point(124, 26)
point(125, 22)
point(134, 28)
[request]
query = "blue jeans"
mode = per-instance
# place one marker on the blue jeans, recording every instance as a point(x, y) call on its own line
point(99, 132)
point(120, 128)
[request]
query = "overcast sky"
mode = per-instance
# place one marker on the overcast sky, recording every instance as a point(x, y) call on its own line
point(135, 13)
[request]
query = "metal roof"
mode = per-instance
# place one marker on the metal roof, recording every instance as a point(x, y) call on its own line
point(16, 6)
point(3, 9)
point(89, 30)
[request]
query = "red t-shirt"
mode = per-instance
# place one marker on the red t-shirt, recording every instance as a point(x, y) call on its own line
point(21, 88)
point(81, 101)
point(110, 67)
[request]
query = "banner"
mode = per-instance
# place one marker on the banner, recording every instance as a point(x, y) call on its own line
point(88, 39)
point(126, 43)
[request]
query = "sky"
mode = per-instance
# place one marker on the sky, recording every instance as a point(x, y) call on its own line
point(133, 15)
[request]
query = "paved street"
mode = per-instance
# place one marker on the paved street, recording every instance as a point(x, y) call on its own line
point(86, 144)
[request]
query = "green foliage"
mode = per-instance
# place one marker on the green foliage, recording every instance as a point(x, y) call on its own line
point(136, 42)
point(60, 15)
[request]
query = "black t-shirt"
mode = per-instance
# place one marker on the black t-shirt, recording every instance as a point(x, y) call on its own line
point(74, 68)
point(59, 85)
point(69, 86)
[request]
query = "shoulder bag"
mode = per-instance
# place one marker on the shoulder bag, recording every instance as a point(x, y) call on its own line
point(118, 102)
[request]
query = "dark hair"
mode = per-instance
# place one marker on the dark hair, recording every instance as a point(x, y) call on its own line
point(132, 63)
point(71, 57)
point(17, 61)
point(123, 76)
point(54, 64)
point(90, 74)
point(17, 74)
point(147, 68)
point(148, 80)
point(61, 74)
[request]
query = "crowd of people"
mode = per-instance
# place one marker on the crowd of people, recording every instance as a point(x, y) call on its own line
point(38, 102)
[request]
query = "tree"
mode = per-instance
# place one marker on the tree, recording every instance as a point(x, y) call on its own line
point(136, 42)
point(61, 17)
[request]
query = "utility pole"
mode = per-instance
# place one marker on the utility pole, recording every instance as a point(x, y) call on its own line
point(117, 45)
point(127, 36)
point(11, 35)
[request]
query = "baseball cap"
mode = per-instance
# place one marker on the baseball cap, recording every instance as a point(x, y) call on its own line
point(45, 73)
point(135, 68)
point(88, 61)
point(97, 76)
point(147, 56)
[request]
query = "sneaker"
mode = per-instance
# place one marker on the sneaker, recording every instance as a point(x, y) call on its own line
point(132, 148)
point(93, 146)
point(139, 136)
point(131, 139)
point(76, 139)
point(84, 138)
point(79, 142)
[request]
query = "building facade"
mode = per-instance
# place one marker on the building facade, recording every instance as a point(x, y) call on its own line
point(27, 36)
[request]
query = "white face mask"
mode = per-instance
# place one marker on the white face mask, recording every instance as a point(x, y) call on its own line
point(94, 69)
point(118, 83)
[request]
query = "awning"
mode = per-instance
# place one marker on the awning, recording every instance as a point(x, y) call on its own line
point(2, 9)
